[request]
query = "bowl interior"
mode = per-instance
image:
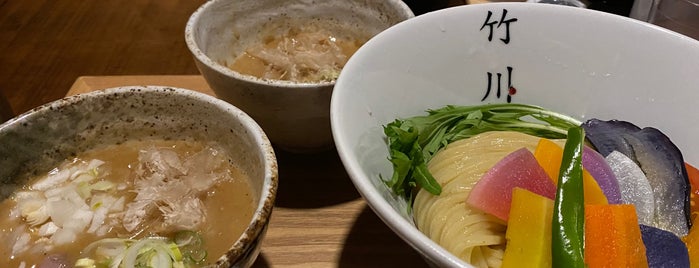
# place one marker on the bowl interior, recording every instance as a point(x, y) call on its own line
point(42, 138)
point(220, 31)
point(575, 61)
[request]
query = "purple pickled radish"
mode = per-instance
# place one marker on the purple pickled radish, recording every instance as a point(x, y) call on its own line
point(634, 186)
point(55, 261)
point(661, 162)
point(663, 248)
point(595, 164)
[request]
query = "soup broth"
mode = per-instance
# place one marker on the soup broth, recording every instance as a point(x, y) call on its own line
point(222, 191)
point(303, 54)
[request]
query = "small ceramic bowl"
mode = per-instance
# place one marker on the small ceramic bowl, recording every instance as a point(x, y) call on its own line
point(38, 140)
point(295, 115)
point(579, 62)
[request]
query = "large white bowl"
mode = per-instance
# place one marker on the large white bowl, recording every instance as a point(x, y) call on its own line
point(575, 61)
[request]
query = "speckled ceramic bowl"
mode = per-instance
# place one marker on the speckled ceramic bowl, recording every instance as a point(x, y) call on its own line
point(296, 116)
point(36, 141)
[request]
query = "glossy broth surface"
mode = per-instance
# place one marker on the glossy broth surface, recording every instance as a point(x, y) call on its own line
point(310, 53)
point(229, 205)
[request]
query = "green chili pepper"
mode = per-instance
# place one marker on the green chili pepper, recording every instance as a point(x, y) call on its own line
point(568, 226)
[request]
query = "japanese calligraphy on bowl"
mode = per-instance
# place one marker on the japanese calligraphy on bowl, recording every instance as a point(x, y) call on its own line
point(502, 25)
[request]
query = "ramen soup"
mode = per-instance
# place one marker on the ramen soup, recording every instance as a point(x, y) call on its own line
point(302, 54)
point(137, 204)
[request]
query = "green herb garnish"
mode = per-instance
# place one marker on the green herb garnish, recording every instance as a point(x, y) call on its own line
point(414, 141)
point(185, 251)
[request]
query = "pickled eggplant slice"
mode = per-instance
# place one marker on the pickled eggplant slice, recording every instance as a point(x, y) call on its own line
point(661, 162)
point(604, 135)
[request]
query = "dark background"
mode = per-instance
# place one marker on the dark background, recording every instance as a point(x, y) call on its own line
point(47, 44)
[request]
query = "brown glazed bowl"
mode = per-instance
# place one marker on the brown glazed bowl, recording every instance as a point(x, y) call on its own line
point(38, 140)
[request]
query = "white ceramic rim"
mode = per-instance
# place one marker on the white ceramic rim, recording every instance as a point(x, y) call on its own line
point(409, 233)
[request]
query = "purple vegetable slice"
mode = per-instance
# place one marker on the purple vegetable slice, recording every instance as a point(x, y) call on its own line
point(597, 166)
point(663, 248)
point(661, 162)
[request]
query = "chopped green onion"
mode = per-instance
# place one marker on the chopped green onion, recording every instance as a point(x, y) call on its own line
point(85, 263)
point(191, 245)
point(185, 248)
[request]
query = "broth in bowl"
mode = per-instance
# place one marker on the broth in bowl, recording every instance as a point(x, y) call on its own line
point(100, 205)
point(285, 56)
point(134, 177)
point(306, 53)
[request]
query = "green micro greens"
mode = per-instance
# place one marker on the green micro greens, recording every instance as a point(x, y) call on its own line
point(413, 141)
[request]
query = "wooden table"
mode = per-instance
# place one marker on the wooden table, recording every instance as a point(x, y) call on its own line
point(319, 221)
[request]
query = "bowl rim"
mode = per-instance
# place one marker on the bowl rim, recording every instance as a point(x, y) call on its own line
point(407, 231)
point(190, 38)
point(264, 206)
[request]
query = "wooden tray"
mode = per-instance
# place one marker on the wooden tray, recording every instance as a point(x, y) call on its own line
point(319, 219)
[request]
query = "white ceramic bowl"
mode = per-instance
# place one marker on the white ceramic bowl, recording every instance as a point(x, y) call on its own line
point(295, 115)
point(576, 61)
point(38, 140)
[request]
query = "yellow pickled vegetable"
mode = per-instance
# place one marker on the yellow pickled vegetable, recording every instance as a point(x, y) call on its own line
point(549, 155)
point(692, 243)
point(528, 230)
point(691, 240)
